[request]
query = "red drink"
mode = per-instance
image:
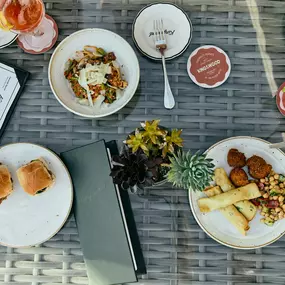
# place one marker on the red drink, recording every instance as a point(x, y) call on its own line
point(24, 15)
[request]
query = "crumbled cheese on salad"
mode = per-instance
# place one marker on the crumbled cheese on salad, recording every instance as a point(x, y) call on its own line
point(93, 74)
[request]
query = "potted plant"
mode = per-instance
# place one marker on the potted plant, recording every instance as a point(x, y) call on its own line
point(191, 172)
point(145, 157)
point(153, 154)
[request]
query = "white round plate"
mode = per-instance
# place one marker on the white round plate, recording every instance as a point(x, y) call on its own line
point(30, 220)
point(109, 41)
point(177, 27)
point(6, 38)
point(214, 223)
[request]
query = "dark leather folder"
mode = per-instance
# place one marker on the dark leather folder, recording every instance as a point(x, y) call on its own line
point(104, 217)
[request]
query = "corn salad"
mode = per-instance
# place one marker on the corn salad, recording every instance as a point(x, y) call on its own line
point(271, 203)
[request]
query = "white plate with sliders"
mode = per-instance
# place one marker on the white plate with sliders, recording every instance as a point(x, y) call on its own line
point(214, 223)
point(177, 27)
point(30, 220)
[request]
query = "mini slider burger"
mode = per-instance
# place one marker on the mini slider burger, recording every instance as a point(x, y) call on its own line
point(35, 177)
point(6, 183)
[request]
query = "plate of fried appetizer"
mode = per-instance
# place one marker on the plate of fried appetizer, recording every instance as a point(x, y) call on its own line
point(36, 194)
point(244, 206)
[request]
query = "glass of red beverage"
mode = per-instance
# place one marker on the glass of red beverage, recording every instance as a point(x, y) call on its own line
point(37, 31)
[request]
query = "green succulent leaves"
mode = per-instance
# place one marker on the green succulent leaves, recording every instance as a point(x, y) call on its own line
point(194, 172)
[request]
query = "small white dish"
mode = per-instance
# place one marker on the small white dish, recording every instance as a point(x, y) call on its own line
point(178, 30)
point(110, 42)
point(6, 38)
point(31, 220)
point(214, 223)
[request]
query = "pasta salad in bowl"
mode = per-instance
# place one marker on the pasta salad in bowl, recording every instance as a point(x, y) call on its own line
point(94, 73)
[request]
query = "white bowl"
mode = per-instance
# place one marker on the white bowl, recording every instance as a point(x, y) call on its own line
point(109, 41)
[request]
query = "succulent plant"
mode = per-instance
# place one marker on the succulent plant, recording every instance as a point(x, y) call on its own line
point(194, 172)
point(154, 140)
point(134, 169)
point(145, 158)
point(152, 131)
point(154, 166)
point(136, 142)
point(171, 141)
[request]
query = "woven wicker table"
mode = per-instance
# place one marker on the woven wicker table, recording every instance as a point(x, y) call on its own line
point(176, 250)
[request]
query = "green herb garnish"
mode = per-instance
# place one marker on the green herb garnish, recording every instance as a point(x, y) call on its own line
point(101, 51)
point(281, 178)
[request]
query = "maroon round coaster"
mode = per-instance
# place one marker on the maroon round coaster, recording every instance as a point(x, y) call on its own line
point(209, 66)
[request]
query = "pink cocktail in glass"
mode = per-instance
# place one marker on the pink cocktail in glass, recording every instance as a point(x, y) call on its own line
point(37, 31)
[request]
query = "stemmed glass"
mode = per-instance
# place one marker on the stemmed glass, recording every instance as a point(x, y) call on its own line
point(37, 31)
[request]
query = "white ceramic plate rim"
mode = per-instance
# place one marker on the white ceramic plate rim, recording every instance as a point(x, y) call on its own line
point(71, 200)
point(169, 57)
point(10, 41)
point(82, 114)
point(204, 85)
point(201, 225)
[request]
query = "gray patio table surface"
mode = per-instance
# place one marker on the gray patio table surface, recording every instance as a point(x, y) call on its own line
point(176, 250)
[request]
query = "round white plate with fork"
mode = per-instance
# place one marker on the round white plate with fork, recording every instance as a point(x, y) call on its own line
point(177, 28)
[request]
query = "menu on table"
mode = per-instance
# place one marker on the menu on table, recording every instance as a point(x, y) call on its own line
point(12, 81)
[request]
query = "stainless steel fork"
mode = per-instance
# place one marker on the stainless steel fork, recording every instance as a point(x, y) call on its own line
point(161, 46)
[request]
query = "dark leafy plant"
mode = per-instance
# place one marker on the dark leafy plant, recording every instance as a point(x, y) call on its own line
point(134, 169)
point(154, 167)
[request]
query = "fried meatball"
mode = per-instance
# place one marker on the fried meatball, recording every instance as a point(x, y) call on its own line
point(239, 177)
point(258, 167)
point(236, 158)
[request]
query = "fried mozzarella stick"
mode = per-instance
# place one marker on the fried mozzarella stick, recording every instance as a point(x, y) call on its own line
point(246, 192)
point(230, 212)
point(245, 207)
